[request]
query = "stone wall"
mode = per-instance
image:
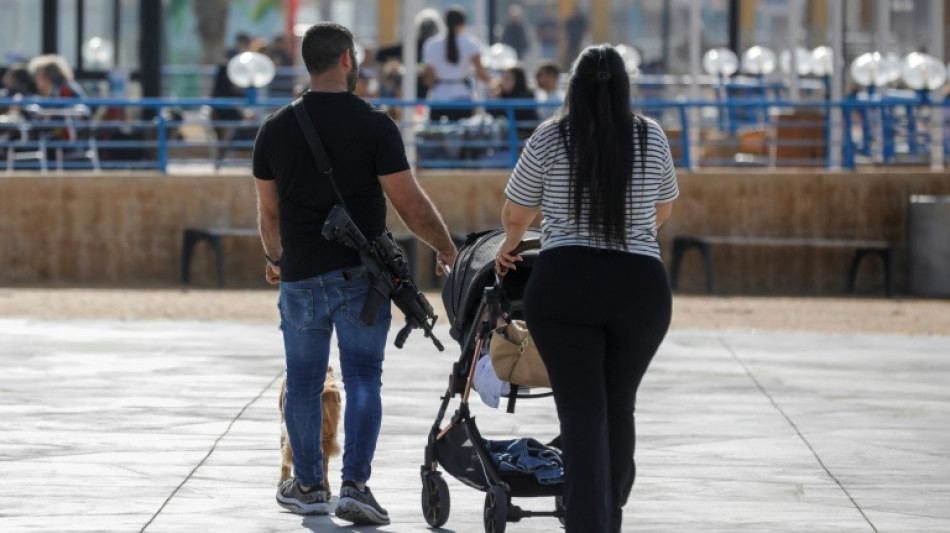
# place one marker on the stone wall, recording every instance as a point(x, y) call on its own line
point(126, 230)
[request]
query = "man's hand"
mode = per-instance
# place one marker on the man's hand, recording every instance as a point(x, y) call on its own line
point(272, 274)
point(419, 214)
point(445, 259)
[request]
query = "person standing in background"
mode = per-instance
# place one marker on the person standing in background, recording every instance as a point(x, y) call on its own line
point(514, 33)
point(576, 29)
point(547, 32)
point(449, 61)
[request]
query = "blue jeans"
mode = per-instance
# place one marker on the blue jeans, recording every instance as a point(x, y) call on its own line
point(309, 311)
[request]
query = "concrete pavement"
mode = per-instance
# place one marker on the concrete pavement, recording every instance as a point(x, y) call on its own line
point(173, 427)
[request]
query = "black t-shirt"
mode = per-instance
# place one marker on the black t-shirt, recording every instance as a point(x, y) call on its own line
point(362, 143)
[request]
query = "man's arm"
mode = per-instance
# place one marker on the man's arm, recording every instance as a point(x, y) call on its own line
point(419, 214)
point(269, 225)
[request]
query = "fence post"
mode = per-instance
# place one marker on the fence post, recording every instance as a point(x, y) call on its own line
point(684, 126)
point(162, 141)
point(847, 139)
point(512, 136)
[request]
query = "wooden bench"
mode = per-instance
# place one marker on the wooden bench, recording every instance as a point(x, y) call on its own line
point(192, 236)
point(862, 248)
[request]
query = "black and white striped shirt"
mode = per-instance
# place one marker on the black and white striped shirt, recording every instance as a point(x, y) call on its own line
point(542, 174)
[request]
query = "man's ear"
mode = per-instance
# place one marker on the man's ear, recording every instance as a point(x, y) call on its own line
point(346, 60)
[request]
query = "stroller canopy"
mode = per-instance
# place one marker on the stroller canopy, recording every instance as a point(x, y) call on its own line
point(473, 272)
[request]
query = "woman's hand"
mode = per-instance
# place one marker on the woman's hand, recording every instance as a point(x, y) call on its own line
point(504, 260)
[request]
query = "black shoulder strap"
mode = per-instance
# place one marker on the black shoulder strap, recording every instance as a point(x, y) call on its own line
point(316, 147)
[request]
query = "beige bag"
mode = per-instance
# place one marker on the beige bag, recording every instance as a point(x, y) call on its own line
point(515, 357)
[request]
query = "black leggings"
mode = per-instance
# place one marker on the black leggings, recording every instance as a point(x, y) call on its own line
point(597, 317)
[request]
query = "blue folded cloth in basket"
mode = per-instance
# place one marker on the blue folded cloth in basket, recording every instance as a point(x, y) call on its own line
point(528, 456)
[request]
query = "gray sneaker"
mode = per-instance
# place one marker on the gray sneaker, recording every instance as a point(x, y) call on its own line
point(291, 497)
point(359, 506)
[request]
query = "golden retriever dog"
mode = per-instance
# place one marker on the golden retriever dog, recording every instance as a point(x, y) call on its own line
point(331, 419)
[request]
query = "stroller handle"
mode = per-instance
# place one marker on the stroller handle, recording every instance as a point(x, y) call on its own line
point(526, 246)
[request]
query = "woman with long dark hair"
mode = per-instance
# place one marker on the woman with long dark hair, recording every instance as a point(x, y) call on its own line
point(450, 59)
point(514, 85)
point(597, 303)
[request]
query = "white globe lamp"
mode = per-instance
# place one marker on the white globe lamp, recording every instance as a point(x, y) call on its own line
point(720, 62)
point(758, 61)
point(499, 56)
point(922, 72)
point(631, 59)
point(822, 61)
point(873, 69)
point(251, 71)
point(803, 59)
point(98, 53)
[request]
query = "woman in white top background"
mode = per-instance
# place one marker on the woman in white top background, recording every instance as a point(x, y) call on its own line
point(597, 302)
point(450, 59)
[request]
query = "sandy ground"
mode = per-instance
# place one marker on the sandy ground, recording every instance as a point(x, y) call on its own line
point(844, 315)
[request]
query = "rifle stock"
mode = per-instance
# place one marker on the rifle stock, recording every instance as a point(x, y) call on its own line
point(389, 276)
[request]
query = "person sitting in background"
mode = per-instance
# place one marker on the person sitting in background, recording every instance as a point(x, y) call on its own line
point(514, 85)
point(283, 84)
point(54, 77)
point(547, 75)
point(17, 83)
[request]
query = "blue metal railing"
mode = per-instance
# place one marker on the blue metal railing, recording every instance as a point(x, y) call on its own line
point(160, 133)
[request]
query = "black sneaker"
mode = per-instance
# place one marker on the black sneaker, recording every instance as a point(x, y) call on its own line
point(291, 497)
point(359, 506)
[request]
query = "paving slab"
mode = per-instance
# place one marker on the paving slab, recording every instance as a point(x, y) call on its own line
point(173, 426)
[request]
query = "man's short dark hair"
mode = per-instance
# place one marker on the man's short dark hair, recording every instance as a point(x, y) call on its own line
point(322, 45)
point(548, 67)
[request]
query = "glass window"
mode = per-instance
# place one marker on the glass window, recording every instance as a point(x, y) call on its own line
point(98, 39)
point(66, 34)
point(21, 29)
point(127, 46)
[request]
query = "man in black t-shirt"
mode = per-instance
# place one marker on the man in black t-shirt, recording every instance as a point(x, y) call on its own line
point(368, 157)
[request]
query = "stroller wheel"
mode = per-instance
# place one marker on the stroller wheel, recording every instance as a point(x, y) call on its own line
point(559, 508)
point(496, 510)
point(435, 499)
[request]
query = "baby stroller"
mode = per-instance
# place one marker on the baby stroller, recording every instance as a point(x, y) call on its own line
point(475, 300)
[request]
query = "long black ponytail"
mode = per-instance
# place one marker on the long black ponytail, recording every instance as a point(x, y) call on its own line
point(598, 130)
point(454, 17)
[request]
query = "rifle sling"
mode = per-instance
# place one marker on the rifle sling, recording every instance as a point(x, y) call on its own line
point(316, 146)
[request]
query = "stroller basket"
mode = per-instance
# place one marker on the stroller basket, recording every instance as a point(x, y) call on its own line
point(459, 458)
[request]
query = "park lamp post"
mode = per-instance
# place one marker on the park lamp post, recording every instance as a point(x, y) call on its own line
point(758, 61)
point(923, 73)
point(822, 65)
point(251, 71)
point(874, 69)
point(721, 63)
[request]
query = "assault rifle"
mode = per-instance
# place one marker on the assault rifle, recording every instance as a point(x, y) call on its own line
point(388, 273)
